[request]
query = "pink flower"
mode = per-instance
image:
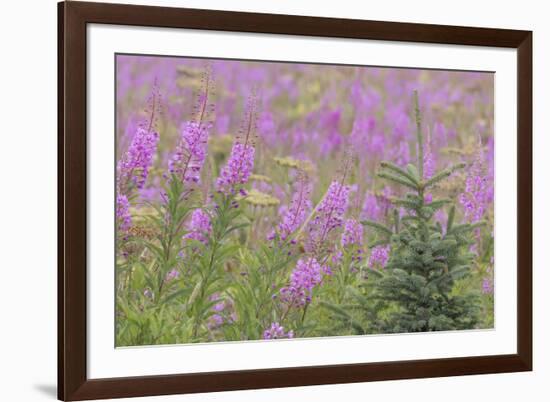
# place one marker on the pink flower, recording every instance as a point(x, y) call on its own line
point(353, 233)
point(199, 226)
point(173, 274)
point(294, 216)
point(124, 219)
point(187, 161)
point(241, 161)
point(474, 198)
point(330, 213)
point(134, 166)
point(305, 276)
point(276, 331)
point(238, 168)
point(379, 256)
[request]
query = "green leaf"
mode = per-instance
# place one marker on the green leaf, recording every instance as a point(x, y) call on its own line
point(176, 294)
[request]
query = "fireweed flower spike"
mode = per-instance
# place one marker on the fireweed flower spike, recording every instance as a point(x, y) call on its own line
point(328, 216)
point(353, 233)
point(352, 239)
point(199, 226)
point(241, 161)
point(294, 216)
point(474, 197)
point(276, 331)
point(306, 275)
point(123, 217)
point(330, 212)
point(133, 167)
point(188, 159)
point(379, 256)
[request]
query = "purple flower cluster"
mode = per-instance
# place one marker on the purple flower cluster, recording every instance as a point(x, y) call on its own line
point(330, 213)
point(215, 321)
point(487, 286)
point(353, 233)
point(123, 217)
point(222, 312)
point(172, 275)
point(306, 275)
point(379, 256)
point(134, 165)
point(276, 331)
point(241, 160)
point(352, 239)
point(294, 216)
point(238, 168)
point(474, 198)
point(199, 226)
point(187, 161)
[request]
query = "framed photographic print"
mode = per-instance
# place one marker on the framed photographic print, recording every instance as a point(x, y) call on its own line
point(253, 200)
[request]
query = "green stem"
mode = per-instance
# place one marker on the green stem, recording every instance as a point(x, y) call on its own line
point(304, 313)
point(217, 236)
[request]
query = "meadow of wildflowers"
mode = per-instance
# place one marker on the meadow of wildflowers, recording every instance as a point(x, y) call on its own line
point(261, 200)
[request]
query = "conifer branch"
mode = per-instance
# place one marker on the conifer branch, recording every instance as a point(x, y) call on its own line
point(398, 180)
point(443, 174)
point(393, 167)
point(404, 203)
point(435, 205)
point(466, 227)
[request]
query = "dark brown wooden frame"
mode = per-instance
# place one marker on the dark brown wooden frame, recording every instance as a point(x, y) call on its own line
point(73, 17)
